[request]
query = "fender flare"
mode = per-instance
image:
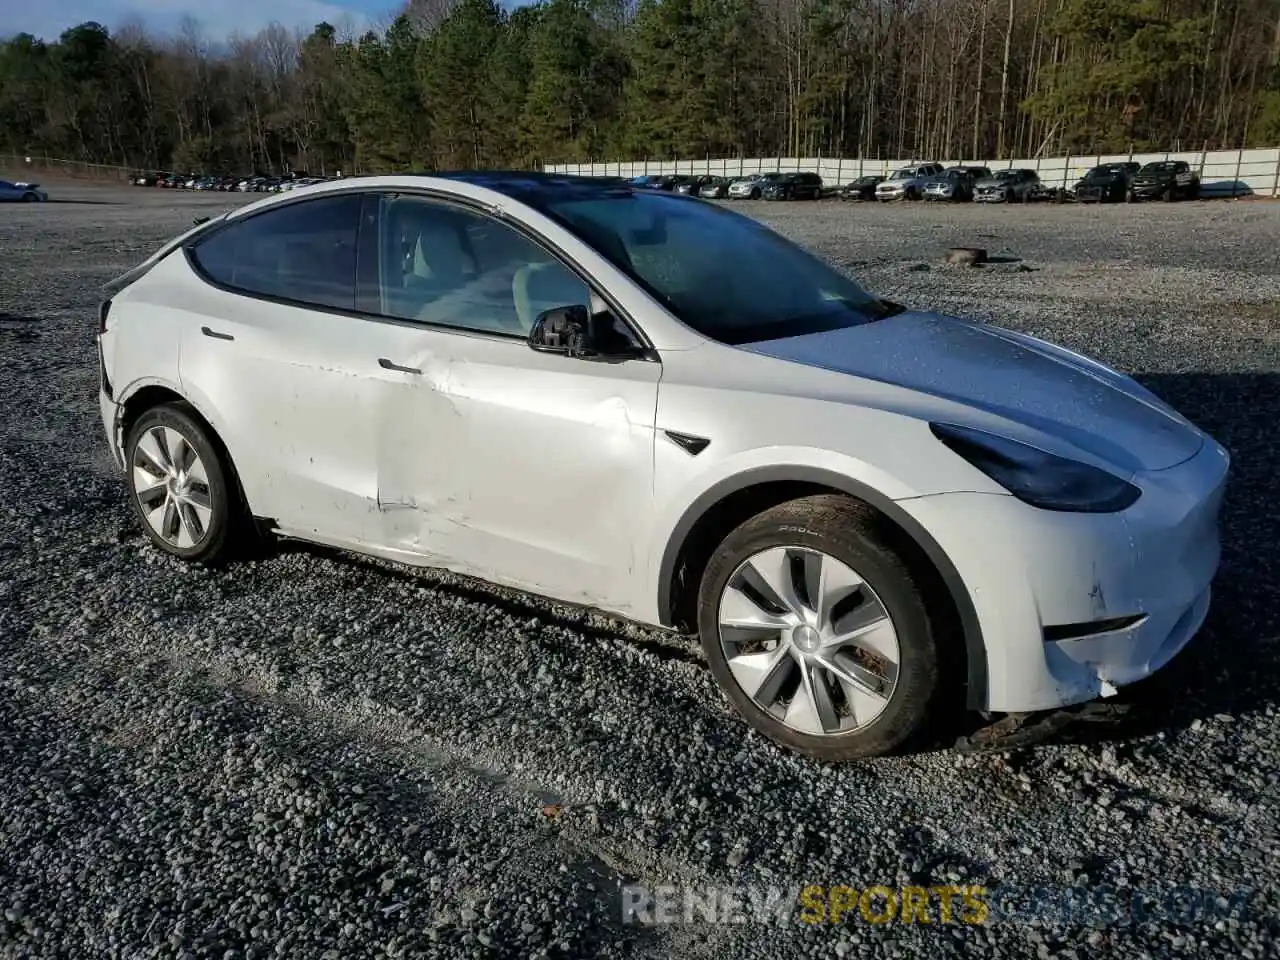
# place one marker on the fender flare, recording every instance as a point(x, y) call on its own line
point(971, 630)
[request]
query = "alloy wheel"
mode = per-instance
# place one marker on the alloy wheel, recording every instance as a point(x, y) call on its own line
point(809, 640)
point(172, 487)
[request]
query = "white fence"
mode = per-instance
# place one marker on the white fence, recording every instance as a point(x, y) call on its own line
point(1223, 173)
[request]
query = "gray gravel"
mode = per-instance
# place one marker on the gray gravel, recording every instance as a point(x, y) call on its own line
point(315, 755)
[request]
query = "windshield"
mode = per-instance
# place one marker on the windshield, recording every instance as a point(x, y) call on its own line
point(1006, 174)
point(903, 175)
point(1162, 166)
point(725, 275)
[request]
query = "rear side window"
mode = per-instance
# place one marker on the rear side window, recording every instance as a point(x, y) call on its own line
point(303, 251)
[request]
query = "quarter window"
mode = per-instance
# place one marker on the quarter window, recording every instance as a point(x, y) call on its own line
point(304, 251)
point(441, 264)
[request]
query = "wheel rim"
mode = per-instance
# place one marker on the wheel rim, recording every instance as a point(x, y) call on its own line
point(809, 641)
point(172, 487)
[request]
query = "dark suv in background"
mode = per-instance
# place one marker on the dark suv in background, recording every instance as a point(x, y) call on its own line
point(793, 186)
point(1165, 180)
point(1108, 183)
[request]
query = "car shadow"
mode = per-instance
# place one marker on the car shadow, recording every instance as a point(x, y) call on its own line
point(586, 621)
point(1232, 666)
point(1216, 189)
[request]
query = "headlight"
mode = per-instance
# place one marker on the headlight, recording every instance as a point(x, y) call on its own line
point(1038, 478)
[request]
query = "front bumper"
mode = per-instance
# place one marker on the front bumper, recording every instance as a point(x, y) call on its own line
point(1151, 191)
point(939, 193)
point(1027, 570)
point(893, 193)
point(995, 196)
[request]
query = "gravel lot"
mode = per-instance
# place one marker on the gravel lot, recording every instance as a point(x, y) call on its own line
point(315, 755)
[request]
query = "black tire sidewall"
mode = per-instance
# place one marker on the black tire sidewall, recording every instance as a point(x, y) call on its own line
point(918, 673)
point(221, 495)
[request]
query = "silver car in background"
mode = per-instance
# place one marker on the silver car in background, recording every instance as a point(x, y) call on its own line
point(1008, 186)
point(908, 183)
point(751, 186)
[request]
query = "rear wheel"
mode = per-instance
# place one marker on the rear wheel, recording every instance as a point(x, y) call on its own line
point(819, 632)
point(182, 485)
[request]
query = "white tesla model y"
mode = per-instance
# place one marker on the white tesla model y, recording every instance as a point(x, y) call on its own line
point(651, 405)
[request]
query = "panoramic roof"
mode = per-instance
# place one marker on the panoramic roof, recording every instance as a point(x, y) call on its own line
point(529, 186)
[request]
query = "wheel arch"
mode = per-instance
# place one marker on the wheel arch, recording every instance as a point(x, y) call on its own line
point(145, 395)
point(729, 502)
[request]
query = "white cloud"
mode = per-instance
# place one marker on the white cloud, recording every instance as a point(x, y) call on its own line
point(217, 18)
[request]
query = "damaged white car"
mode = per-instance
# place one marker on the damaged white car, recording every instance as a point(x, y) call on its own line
point(660, 408)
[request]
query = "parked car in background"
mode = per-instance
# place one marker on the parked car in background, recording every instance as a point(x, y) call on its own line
point(1108, 183)
point(690, 185)
point(751, 186)
point(21, 192)
point(908, 183)
point(652, 181)
point(1008, 186)
point(793, 186)
point(954, 183)
point(1165, 180)
point(975, 173)
point(865, 512)
point(716, 188)
point(864, 188)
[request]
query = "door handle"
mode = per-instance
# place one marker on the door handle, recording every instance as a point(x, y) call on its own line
point(215, 334)
point(386, 364)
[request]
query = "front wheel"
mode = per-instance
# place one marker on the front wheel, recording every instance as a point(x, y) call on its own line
point(181, 485)
point(29, 198)
point(819, 632)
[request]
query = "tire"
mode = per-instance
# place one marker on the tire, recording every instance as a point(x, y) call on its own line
point(29, 198)
point(755, 195)
point(202, 525)
point(846, 535)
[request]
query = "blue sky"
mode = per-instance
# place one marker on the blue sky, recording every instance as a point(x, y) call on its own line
point(217, 18)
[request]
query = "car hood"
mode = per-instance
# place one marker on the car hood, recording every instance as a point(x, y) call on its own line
point(990, 182)
point(1008, 375)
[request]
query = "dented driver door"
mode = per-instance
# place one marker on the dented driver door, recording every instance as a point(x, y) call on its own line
point(525, 468)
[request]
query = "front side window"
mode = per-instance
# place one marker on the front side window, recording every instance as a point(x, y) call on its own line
point(725, 275)
point(303, 251)
point(442, 264)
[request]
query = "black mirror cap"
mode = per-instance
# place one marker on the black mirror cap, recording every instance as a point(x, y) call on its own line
point(571, 331)
point(562, 330)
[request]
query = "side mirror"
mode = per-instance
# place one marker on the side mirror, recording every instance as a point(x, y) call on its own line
point(563, 330)
point(573, 332)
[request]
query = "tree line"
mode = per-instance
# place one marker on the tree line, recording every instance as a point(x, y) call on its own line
point(464, 83)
